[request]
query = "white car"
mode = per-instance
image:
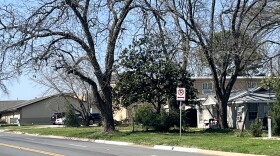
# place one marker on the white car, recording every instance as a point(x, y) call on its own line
point(59, 121)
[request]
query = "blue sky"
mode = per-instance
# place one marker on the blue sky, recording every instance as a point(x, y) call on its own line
point(23, 89)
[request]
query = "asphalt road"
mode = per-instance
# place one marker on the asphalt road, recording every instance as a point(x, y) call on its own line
point(26, 145)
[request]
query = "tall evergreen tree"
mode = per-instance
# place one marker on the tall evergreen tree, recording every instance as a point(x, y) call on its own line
point(275, 111)
point(149, 76)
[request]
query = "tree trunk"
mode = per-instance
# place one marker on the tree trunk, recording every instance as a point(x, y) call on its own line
point(107, 110)
point(103, 100)
point(108, 120)
point(107, 116)
point(223, 113)
point(158, 109)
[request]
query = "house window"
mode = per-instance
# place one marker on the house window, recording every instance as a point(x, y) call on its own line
point(13, 120)
point(253, 111)
point(207, 86)
point(252, 84)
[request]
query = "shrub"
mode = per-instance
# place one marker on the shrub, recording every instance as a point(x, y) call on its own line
point(158, 121)
point(71, 120)
point(174, 118)
point(144, 115)
point(3, 122)
point(256, 128)
point(161, 122)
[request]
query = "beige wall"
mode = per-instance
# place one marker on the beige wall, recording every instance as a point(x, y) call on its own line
point(241, 82)
point(121, 114)
point(203, 115)
point(11, 117)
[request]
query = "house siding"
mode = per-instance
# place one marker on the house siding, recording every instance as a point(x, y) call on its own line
point(240, 84)
point(40, 112)
point(203, 115)
point(235, 122)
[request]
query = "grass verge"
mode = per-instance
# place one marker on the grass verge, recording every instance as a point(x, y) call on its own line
point(223, 140)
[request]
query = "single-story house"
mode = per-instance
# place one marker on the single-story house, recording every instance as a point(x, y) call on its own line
point(36, 111)
point(243, 106)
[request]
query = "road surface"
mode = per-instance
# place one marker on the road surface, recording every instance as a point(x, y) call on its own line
point(26, 145)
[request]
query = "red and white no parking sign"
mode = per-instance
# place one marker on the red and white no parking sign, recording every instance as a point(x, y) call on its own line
point(181, 94)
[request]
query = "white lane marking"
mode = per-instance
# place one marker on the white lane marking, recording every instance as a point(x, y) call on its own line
point(77, 145)
point(29, 139)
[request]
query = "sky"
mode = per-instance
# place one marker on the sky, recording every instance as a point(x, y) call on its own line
point(23, 89)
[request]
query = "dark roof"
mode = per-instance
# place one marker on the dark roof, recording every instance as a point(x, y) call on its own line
point(4, 105)
point(26, 103)
point(19, 104)
point(256, 95)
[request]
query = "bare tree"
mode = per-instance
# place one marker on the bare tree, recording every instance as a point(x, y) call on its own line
point(239, 23)
point(69, 35)
point(7, 72)
point(65, 84)
point(157, 20)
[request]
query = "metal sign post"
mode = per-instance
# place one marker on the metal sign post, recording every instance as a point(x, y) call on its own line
point(180, 118)
point(181, 96)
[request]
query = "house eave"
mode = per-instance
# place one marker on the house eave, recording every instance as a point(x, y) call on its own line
point(248, 102)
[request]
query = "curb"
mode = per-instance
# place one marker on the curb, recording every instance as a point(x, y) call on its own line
point(176, 148)
point(200, 151)
point(221, 153)
point(113, 142)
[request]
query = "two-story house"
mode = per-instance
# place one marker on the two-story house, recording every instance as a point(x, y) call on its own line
point(205, 85)
point(248, 101)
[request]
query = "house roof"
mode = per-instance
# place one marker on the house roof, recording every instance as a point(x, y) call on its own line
point(16, 105)
point(26, 103)
point(256, 95)
point(210, 100)
point(4, 105)
point(228, 77)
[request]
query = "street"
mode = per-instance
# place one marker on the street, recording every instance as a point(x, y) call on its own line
point(26, 145)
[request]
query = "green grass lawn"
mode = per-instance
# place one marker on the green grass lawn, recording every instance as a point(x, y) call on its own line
point(226, 140)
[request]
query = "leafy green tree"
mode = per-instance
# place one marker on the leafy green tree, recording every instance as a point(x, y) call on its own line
point(275, 112)
point(149, 76)
point(271, 82)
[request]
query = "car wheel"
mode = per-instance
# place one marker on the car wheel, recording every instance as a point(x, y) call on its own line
point(91, 122)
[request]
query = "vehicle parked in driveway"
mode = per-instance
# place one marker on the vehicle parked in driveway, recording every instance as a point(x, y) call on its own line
point(58, 118)
point(60, 121)
point(95, 118)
